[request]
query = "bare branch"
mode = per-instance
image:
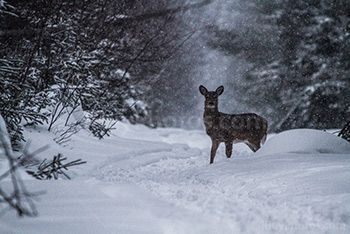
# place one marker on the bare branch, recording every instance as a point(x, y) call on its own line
point(124, 19)
point(167, 11)
point(30, 31)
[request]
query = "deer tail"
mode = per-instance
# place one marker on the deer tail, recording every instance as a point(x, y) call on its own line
point(263, 139)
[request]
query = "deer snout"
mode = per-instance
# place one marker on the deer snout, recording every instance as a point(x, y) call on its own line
point(210, 104)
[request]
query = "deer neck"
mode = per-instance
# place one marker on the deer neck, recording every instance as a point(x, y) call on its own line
point(211, 119)
point(211, 112)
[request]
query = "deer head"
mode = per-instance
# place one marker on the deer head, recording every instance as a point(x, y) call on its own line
point(211, 97)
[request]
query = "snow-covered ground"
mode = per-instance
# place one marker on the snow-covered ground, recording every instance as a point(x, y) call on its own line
point(143, 180)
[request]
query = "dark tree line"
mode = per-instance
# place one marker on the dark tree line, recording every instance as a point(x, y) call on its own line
point(298, 60)
point(104, 57)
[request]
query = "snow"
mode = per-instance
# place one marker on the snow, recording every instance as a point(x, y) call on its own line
point(305, 141)
point(143, 180)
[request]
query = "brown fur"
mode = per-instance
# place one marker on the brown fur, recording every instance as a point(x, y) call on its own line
point(248, 128)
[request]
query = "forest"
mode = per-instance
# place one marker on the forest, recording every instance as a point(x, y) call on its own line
point(143, 61)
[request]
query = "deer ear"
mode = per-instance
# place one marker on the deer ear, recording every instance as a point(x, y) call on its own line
point(220, 90)
point(203, 90)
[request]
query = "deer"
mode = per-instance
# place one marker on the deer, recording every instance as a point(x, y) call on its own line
point(249, 128)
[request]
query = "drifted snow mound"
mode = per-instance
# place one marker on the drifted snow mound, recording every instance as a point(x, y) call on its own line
point(305, 141)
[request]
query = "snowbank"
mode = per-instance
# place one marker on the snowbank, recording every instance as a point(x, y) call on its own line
point(305, 141)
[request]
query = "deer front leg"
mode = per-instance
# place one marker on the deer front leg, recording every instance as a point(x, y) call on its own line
point(228, 146)
point(214, 147)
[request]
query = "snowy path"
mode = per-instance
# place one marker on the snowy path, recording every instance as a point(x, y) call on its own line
point(246, 192)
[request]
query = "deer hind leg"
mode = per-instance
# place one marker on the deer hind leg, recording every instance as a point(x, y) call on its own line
point(214, 147)
point(228, 146)
point(263, 139)
point(253, 146)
